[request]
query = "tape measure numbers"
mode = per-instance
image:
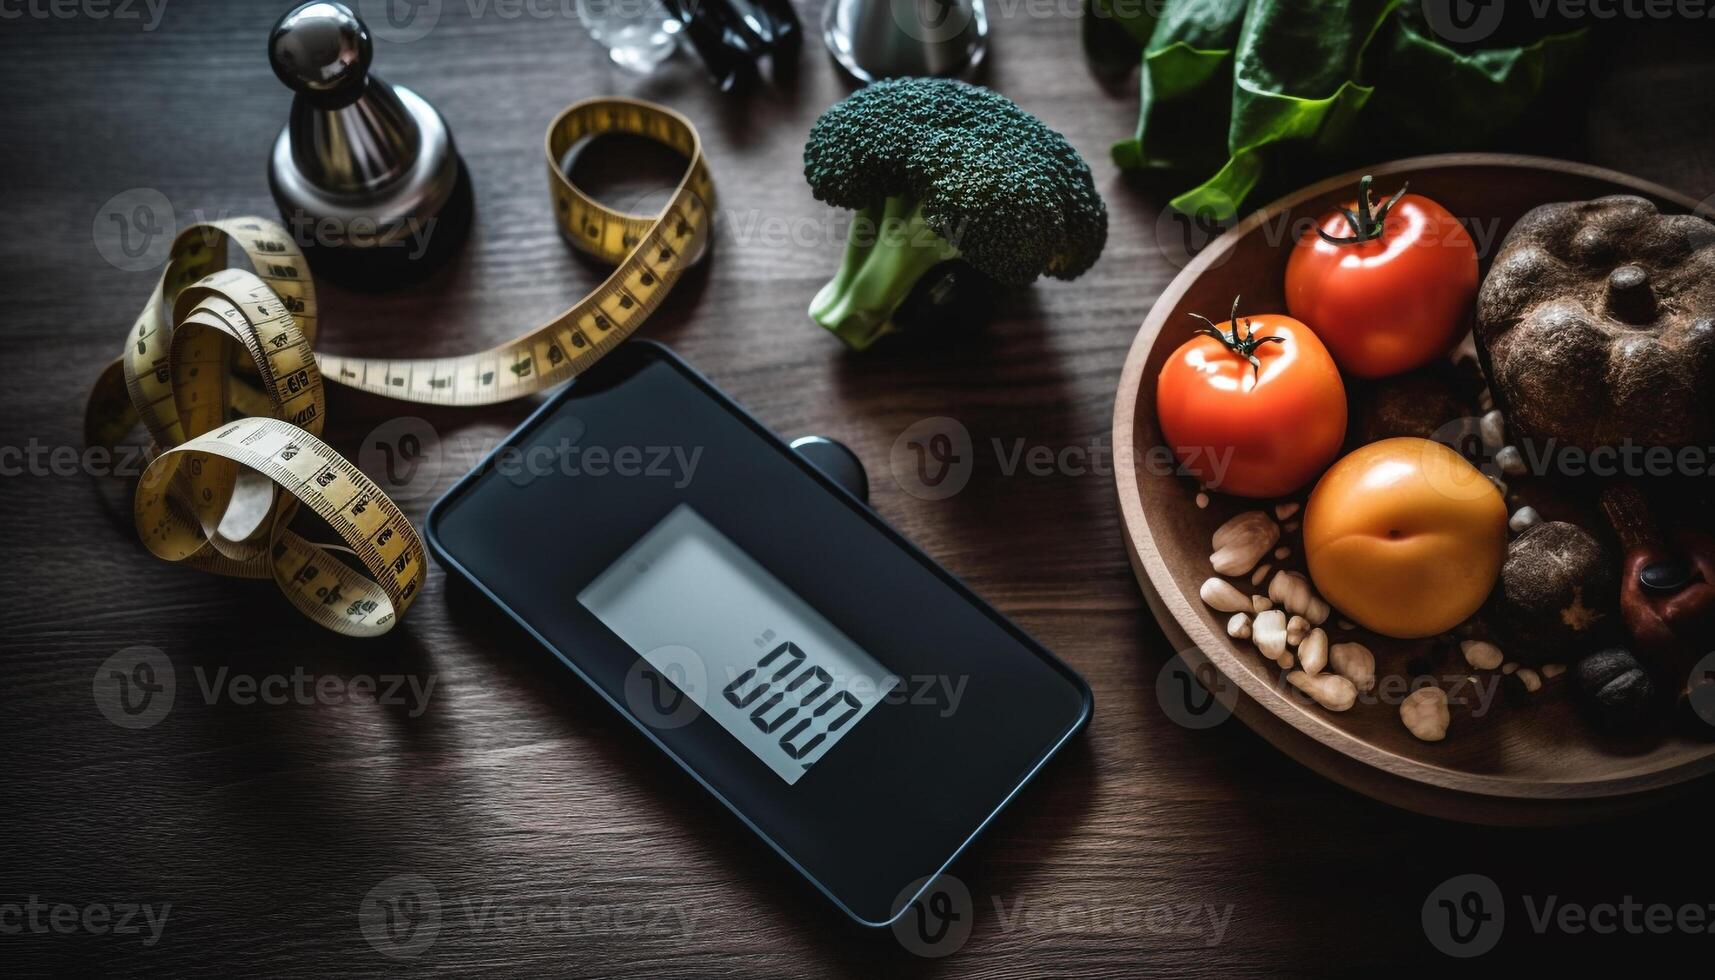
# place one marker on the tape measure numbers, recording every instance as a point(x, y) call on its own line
point(220, 368)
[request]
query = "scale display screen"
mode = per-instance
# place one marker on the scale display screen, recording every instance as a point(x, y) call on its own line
point(742, 646)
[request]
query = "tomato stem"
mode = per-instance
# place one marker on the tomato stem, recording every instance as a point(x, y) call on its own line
point(1368, 222)
point(1245, 346)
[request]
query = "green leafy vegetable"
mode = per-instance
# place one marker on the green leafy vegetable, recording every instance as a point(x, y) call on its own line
point(1228, 86)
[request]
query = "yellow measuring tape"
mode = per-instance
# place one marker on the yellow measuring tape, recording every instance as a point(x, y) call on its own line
point(220, 368)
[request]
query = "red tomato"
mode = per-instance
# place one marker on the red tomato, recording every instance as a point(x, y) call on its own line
point(1257, 411)
point(1395, 288)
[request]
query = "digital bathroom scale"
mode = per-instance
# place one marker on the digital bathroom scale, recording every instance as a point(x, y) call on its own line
point(851, 701)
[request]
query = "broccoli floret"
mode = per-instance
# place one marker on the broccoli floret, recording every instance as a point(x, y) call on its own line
point(938, 170)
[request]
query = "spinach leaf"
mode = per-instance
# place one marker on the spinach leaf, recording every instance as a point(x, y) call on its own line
point(1226, 85)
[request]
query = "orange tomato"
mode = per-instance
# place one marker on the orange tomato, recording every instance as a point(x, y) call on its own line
point(1387, 290)
point(1405, 537)
point(1258, 410)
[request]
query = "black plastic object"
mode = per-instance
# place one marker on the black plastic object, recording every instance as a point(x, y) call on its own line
point(730, 36)
point(1666, 576)
point(909, 786)
point(836, 460)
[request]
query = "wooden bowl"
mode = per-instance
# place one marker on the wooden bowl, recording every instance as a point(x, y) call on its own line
point(1540, 762)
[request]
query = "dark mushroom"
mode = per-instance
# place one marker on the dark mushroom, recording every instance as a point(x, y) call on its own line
point(1597, 329)
point(1559, 591)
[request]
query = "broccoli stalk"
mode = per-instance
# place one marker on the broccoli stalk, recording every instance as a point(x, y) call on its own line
point(937, 170)
point(887, 251)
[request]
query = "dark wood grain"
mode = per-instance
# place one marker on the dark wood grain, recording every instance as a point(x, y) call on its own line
point(519, 791)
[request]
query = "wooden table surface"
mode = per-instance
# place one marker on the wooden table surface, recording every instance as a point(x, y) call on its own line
point(555, 838)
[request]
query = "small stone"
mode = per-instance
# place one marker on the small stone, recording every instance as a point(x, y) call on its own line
point(1493, 429)
point(1617, 688)
point(1261, 603)
point(1284, 510)
point(1524, 519)
point(1508, 667)
point(1202, 501)
point(1282, 553)
point(1261, 573)
point(1531, 679)
point(1511, 461)
point(1551, 671)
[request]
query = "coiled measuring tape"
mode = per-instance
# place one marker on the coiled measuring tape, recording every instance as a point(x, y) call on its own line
point(221, 370)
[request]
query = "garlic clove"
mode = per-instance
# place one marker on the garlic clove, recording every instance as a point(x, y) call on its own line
point(1242, 541)
point(1268, 632)
point(1425, 713)
point(1239, 627)
point(1331, 691)
point(1223, 596)
point(1482, 654)
point(1313, 652)
point(1354, 662)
